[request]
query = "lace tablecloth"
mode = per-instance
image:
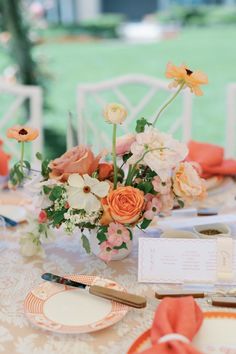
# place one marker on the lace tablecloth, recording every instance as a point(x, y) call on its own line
point(19, 275)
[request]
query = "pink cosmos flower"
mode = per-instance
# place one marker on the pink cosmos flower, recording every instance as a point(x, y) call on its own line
point(106, 251)
point(117, 234)
point(167, 203)
point(162, 187)
point(152, 209)
point(148, 197)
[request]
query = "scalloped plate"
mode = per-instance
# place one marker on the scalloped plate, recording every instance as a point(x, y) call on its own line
point(216, 336)
point(15, 212)
point(64, 309)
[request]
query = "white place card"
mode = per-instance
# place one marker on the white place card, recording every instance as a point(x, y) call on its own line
point(163, 260)
point(178, 222)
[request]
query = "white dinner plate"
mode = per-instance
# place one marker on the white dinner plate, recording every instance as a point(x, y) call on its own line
point(14, 212)
point(64, 309)
point(216, 335)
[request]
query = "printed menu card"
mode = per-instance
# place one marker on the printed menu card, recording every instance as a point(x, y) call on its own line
point(163, 260)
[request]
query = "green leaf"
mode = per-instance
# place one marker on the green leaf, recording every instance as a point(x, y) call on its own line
point(121, 246)
point(39, 156)
point(125, 157)
point(46, 190)
point(85, 243)
point(181, 203)
point(27, 164)
point(101, 236)
point(145, 223)
point(45, 170)
point(146, 187)
point(56, 193)
point(130, 234)
point(58, 217)
point(140, 125)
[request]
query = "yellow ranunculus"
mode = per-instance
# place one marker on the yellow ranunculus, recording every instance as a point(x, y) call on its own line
point(115, 113)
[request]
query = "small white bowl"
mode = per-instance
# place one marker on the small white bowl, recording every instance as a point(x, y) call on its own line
point(222, 228)
point(178, 234)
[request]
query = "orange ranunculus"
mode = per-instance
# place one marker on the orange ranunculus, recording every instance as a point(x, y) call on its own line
point(104, 171)
point(126, 204)
point(22, 133)
point(79, 159)
point(182, 74)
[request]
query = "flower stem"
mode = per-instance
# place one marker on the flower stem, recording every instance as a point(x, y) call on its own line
point(165, 105)
point(133, 168)
point(22, 156)
point(129, 176)
point(114, 155)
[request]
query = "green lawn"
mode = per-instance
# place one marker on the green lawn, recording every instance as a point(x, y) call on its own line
point(213, 50)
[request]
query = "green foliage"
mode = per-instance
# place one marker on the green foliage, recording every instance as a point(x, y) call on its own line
point(39, 156)
point(140, 125)
point(146, 187)
point(145, 223)
point(123, 245)
point(125, 157)
point(198, 15)
point(181, 203)
point(101, 235)
point(46, 190)
point(18, 173)
point(130, 234)
point(45, 169)
point(58, 217)
point(85, 243)
point(105, 26)
point(56, 193)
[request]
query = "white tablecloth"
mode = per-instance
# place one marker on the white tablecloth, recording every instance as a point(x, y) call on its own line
point(19, 275)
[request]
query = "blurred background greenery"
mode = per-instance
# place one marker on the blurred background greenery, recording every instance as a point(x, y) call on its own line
point(63, 54)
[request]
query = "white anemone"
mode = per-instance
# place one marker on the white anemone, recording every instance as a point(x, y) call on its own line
point(84, 191)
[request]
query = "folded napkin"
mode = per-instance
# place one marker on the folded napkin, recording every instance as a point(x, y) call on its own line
point(211, 159)
point(176, 322)
point(4, 159)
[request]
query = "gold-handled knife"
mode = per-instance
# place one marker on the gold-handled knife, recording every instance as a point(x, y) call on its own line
point(122, 297)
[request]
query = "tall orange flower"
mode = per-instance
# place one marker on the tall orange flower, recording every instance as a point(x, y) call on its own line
point(183, 75)
point(22, 133)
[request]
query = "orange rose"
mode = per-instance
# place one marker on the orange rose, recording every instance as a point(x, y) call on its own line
point(126, 204)
point(22, 133)
point(79, 159)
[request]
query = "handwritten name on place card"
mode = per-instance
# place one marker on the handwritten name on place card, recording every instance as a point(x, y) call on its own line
point(179, 261)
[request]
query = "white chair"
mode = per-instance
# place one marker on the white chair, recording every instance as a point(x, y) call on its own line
point(230, 145)
point(89, 126)
point(12, 114)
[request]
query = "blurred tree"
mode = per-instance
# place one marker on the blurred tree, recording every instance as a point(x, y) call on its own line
point(21, 46)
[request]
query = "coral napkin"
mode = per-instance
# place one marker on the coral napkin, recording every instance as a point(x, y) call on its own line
point(211, 159)
point(175, 317)
point(4, 158)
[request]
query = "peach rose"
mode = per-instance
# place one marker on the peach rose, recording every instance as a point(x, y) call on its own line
point(187, 183)
point(123, 143)
point(79, 159)
point(126, 204)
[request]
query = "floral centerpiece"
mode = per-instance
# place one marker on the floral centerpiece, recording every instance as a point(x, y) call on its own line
point(147, 176)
